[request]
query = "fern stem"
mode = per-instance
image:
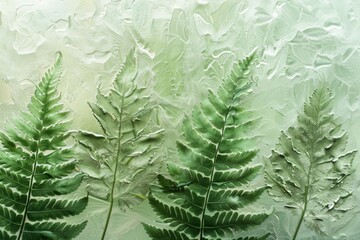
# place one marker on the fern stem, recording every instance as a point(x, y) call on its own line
point(213, 172)
point(302, 213)
point(213, 166)
point(28, 197)
point(109, 212)
point(33, 172)
point(306, 198)
point(115, 171)
point(310, 155)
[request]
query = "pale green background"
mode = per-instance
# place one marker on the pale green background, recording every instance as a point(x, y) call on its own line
point(184, 48)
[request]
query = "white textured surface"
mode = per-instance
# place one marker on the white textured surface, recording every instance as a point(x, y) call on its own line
point(184, 48)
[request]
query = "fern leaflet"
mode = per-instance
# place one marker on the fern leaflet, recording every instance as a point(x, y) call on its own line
point(209, 196)
point(121, 162)
point(36, 168)
point(310, 170)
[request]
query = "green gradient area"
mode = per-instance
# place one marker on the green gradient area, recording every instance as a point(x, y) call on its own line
point(183, 49)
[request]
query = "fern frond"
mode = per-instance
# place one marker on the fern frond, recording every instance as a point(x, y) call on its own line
point(121, 162)
point(209, 194)
point(36, 168)
point(310, 169)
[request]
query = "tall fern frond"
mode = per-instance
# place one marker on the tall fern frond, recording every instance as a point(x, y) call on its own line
point(36, 169)
point(121, 162)
point(211, 195)
point(310, 169)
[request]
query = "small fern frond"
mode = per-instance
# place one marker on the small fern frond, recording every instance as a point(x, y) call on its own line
point(37, 168)
point(310, 169)
point(209, 196)
point(121, 162)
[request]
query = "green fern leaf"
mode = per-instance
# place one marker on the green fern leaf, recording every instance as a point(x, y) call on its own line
point(310, 169)
point(121, 162)
point(36, 168)
point(209, 196)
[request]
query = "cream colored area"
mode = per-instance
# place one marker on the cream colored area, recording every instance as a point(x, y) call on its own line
point(5, 96)
point(184, 48)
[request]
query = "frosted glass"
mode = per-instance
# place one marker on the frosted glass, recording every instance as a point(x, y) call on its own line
point(183, 49)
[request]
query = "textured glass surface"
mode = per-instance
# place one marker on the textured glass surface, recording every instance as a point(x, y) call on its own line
point(183, 49)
